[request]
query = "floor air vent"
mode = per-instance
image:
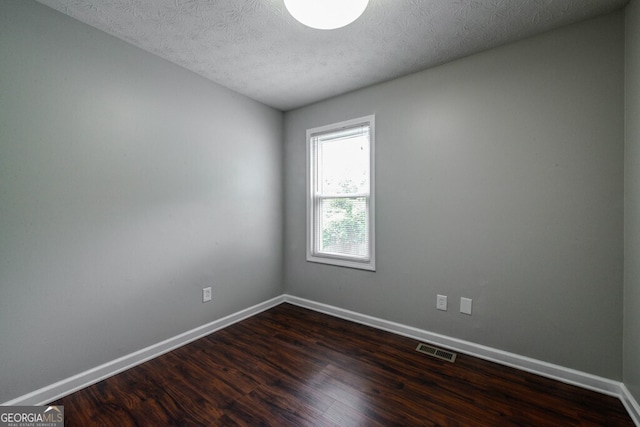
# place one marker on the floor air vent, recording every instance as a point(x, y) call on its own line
point(436, 352)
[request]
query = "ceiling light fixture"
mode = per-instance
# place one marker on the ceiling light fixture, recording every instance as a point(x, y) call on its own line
point(326, 14)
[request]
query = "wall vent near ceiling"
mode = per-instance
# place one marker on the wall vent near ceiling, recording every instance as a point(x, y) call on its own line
point(436, 352)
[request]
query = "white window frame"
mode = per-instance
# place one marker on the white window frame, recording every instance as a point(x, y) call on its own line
point(313, 254)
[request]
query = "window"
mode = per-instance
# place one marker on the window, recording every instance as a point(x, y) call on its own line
point(340, 199)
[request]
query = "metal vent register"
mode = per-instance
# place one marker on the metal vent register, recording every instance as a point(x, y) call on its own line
point(436, 352)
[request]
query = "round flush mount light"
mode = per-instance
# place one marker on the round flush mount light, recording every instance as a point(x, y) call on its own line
point(326, 14)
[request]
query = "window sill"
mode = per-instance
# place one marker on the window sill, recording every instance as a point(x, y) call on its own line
point(368, 265)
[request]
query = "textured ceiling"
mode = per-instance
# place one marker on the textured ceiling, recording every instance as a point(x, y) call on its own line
point(256, 48)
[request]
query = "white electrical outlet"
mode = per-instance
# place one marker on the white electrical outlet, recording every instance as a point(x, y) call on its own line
point(206, 294)
point(441, 302)
point(465, 305)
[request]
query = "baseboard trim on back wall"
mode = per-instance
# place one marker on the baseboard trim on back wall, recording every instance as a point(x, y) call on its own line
point(69, 385)
point(549, 370)
point(631, 405)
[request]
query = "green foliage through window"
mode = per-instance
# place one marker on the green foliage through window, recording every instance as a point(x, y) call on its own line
point(344, 226)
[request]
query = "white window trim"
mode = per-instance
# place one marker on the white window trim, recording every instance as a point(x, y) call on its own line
point(340, 260)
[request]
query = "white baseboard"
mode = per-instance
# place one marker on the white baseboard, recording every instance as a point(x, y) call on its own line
point(67, 386)
point(631, 405)
point(556, 372)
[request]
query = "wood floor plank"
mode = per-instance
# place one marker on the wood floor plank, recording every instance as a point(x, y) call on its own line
point(289, 366)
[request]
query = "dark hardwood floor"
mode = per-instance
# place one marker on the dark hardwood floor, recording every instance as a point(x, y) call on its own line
point(290, 366)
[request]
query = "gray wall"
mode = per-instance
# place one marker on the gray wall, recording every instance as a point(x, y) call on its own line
point(126, 185)
point(499, 178)
point(632, 201)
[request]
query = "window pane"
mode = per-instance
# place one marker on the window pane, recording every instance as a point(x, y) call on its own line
point(343, 165)
point(343, 226)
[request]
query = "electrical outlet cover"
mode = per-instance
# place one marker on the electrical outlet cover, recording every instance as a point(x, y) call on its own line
point(206, 294)
point(441, 302)
point(465, 305)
